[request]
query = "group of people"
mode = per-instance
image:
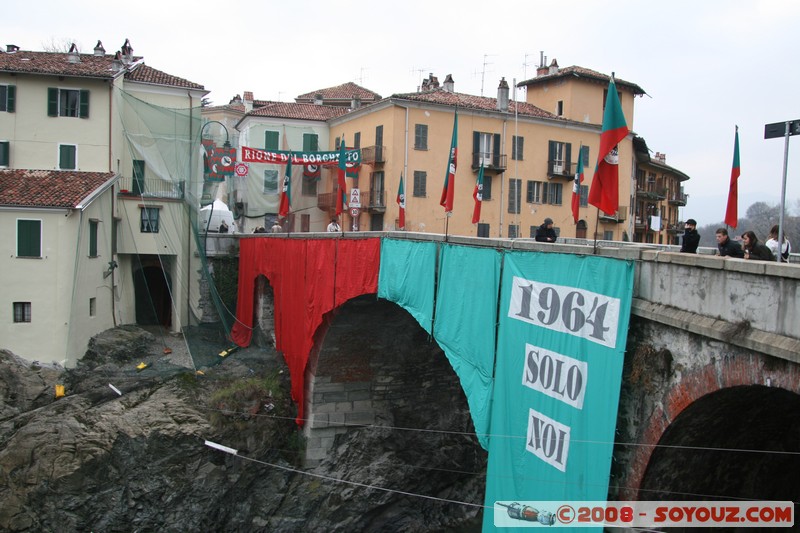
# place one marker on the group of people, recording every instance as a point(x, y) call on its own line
point(750, 247)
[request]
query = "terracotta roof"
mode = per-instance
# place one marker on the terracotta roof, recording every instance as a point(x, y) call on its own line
point(145, 74)
point(468, 101)
point(89, 66)
point(345, 91)
point(298, 111)
point(585, 73)
point(48, 188)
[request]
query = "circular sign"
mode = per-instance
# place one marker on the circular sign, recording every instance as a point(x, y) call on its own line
point(241, 169)
point(354, 212)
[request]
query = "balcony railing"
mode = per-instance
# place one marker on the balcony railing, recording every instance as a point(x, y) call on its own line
point(373, 154)
point(651, 193)
point(326, 201)
point(678, 199)
point(376, 201)
point(491, 161)
point(560, 169)
point(151, 188)
point(619, 216)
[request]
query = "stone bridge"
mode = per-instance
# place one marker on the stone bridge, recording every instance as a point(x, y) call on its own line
point(710, 388)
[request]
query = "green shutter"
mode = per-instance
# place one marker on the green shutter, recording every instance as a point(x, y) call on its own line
point(4, 153)
point(92, 238)
point(29, 238)
point(137, 187)
point(66, 157)
point(568, 159)
point(84, 108)
point(496, 150)
point(52, 102)
point(310, 142)
point(271, 139)
point(11, 97)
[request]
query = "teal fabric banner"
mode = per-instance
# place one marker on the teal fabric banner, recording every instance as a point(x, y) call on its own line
point(563, 323)
point(464, 327)
point(407, 277)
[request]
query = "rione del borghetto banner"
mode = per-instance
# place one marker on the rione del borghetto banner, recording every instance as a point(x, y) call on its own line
point(281, 157)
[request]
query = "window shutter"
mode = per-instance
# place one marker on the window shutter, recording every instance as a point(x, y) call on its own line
point(496, 150)
point(585, 155)
point(357, 140)
point(271, 140)
point(52, 102)
point(487, 187)
point(529, 193)
point(11, 97)
point(66, 157)
point(551, 156)
point(568, 158)
point(92, 238)
point(476, 150)
point(4, 150)
point(29, 236)
point(84, 107)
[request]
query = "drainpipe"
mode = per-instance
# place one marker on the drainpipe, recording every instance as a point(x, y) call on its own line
point(405, 154)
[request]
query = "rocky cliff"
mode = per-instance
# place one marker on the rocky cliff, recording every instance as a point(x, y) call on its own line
point(135, 460)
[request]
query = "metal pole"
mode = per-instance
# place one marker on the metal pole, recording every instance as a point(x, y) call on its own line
point(783, 191)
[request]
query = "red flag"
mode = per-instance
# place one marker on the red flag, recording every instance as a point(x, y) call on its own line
point(286, 192)
point(341, 201)
point(604, 191)
point(576, 187)
point(450, 177)
point(477, 194)
point(401, 202)
point(731, 213)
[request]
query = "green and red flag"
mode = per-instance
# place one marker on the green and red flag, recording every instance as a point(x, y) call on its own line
point(576, 187)
point(604, 191)
point(286, 192)
point(477, 194)
point(341, 199)
point(401, 202)
point(448, 190)
point(731, 213)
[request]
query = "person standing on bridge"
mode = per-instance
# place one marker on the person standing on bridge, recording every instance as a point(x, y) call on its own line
point(772, 244)
point(334, 227)
point(754, 249)
point(726, 247)
point(545, 232)
point(691, 239)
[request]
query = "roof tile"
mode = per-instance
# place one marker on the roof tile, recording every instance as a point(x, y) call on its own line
point(468, 101)
point(48, 188)
point(298, 111)
point(345, 91)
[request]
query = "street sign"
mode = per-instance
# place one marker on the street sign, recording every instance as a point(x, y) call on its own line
point(778, 129)
point(355, 198)
point(354, 212)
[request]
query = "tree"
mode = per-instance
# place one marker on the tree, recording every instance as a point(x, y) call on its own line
point(61, 44)
point(761, 216)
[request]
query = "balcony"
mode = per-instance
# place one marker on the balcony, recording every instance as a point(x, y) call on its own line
point(678, 199)
point(376, 202)
point(372, 155)
point(490, 161)
point(151, 188)
point(651, 193)
point(619, 216)
point(560, 169)
point(676, 228)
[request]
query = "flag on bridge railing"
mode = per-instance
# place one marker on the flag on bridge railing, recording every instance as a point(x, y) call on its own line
point(731, 213)
point(604, 191)
point(448, 190)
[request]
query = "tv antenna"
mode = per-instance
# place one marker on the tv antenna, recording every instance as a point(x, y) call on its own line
point(418, 71)
point(360, 78)
point(483, 70)
point(525, 64)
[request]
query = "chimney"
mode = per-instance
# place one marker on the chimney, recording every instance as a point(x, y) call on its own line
point(449, 84)
point(502, 95)
point(73, 56)
point(541, 70)
point(11, 48)
point(116, 63)
point(553, 67)
point(430, 83)
point(661, 158)
point(248, 101)
point(355, 103)
point(318, 99)
point(99, 50)
point(127, 52)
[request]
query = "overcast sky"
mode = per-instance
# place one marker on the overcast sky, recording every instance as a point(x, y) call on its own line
point(706, 65)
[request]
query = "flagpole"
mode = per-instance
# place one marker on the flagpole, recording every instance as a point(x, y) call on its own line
point(596, 224)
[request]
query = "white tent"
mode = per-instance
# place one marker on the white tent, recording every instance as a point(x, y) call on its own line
point(217, 213)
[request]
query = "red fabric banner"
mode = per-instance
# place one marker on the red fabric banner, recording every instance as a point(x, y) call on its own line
point(309, 278)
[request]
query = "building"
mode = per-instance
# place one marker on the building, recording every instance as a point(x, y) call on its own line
point(95, 227)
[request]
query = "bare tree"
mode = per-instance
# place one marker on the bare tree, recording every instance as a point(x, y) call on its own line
point(60, 44)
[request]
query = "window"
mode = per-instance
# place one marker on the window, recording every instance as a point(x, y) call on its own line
point(483, 229)
point(485, 149)
point(420, 137)
point(559, 158)
point(534, 193)
point(584, 201)
point(29, 238)
point(514, 195)
point(585, 156)
point(309, 186)
point(8, 95)
point(92, 306)
point(270, 182)
point(5, 149)
point(310, 142)
point(420, 185)
point(137, 187)
point(487, 187)
point(93, 238)
point(67, 156)
point(608, 235)
point(22, 311)
point(516, 147)
point(560, 108)
point(376, 196)
point(271, 140)
point(357, 140)
point(67, 103)
point(513, 231)
point(149, 220)
point(554, 191)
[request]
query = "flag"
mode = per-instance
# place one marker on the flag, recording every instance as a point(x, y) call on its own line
point(731, 213)
point(478, 195)
point(401, 201)
point(341, 200)
point(604, 191)
point(311, 171)
point(450, 177)
point(286, 192)
point(576, 187)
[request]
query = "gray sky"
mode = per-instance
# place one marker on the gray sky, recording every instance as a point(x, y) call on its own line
point(706, 65)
